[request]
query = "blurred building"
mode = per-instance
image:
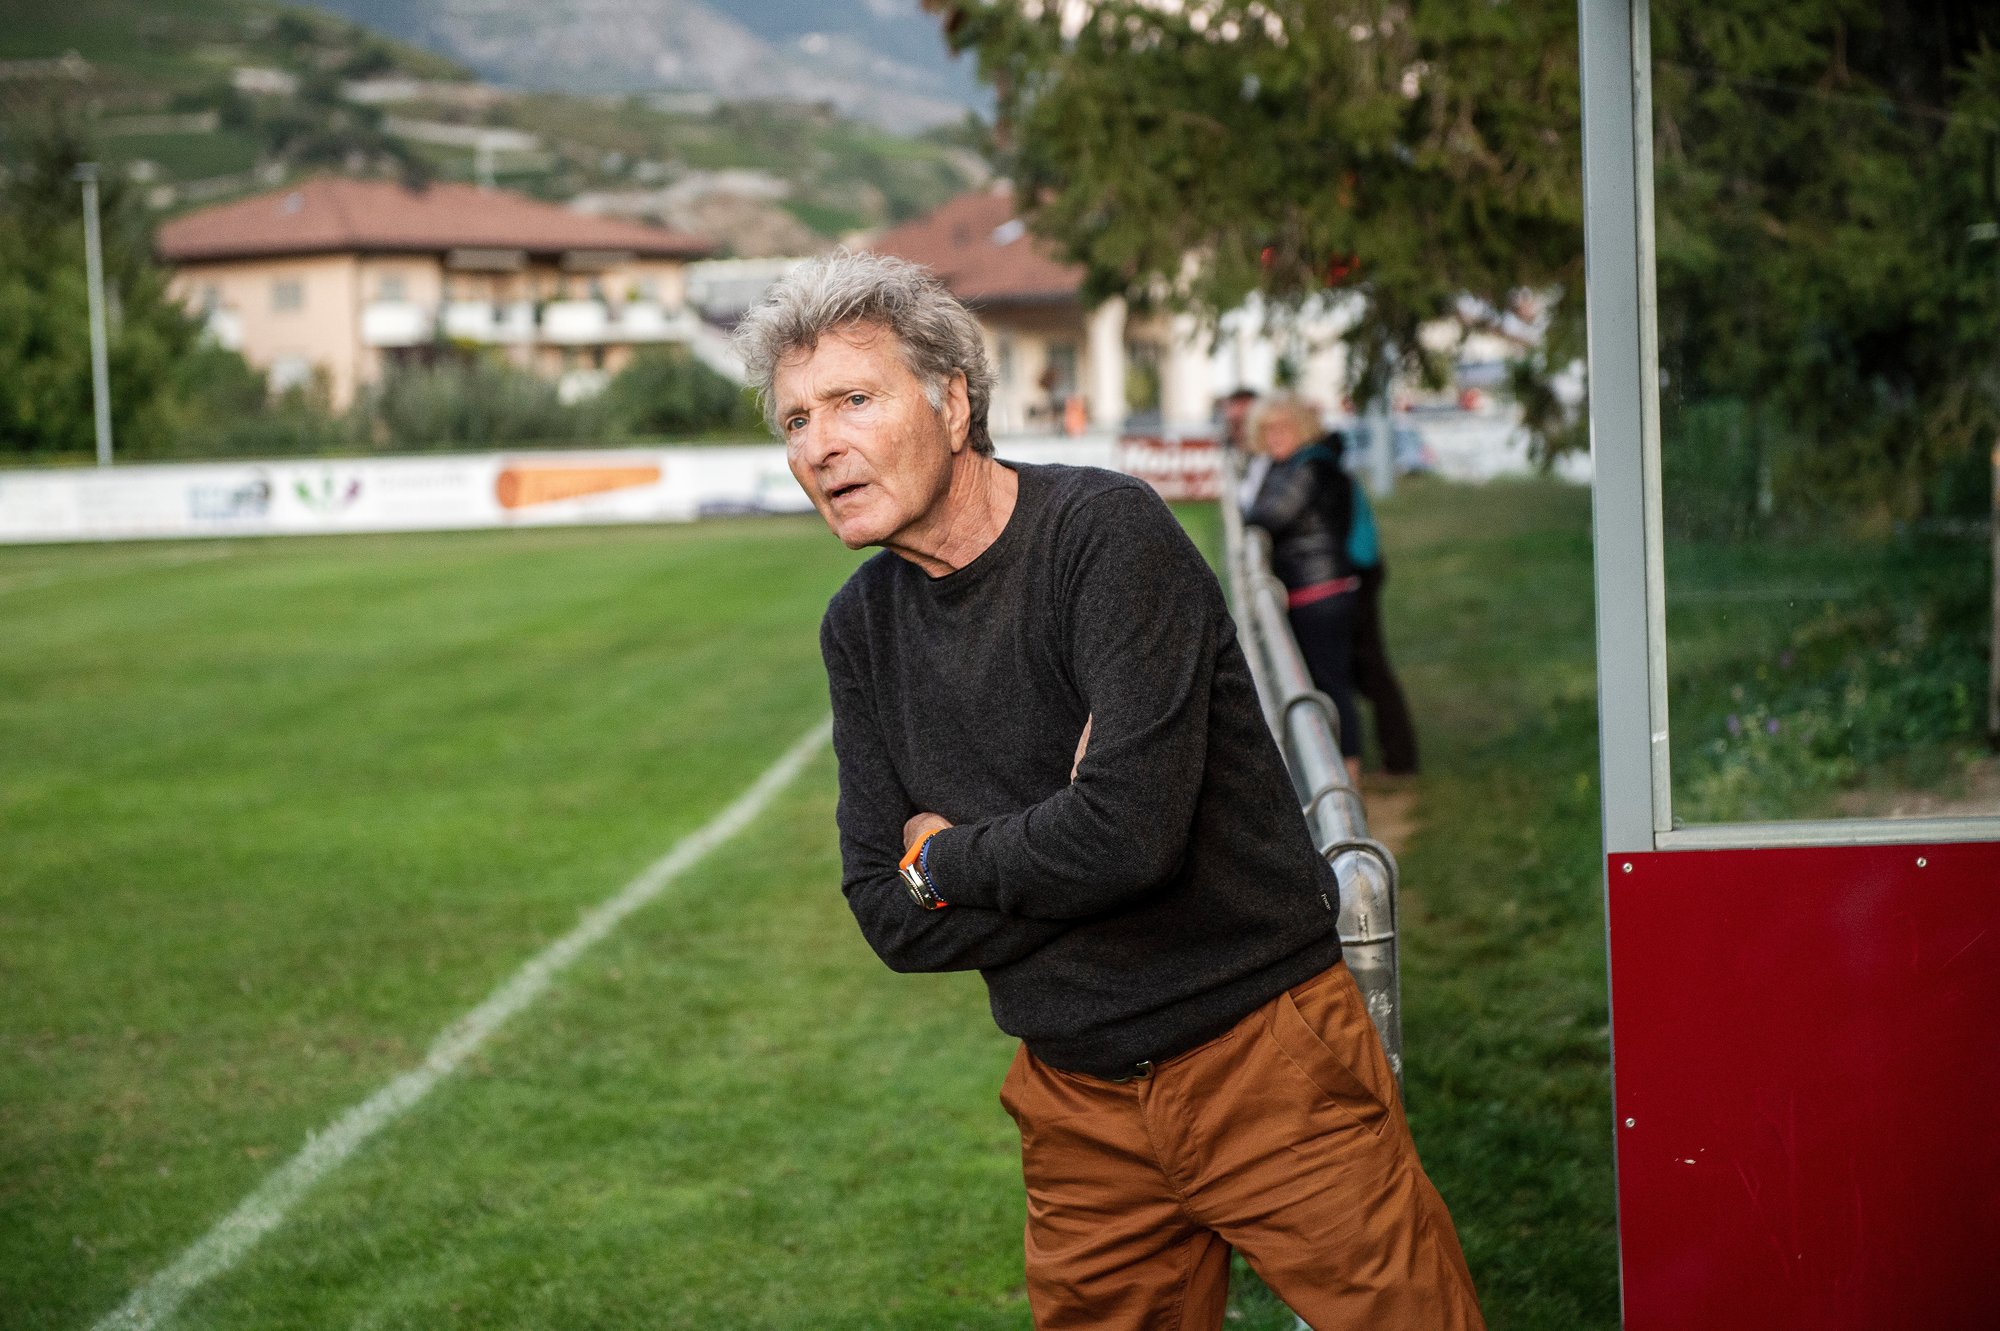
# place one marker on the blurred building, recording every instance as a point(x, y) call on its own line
point(337, 280)
point(1059, 362)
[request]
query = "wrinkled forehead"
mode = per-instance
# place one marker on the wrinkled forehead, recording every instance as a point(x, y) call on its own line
point(859, 341)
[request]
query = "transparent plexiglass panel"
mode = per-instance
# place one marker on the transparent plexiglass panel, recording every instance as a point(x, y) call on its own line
point(1827, 221)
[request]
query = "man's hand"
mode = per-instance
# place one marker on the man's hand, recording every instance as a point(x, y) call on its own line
point(1081, 745)
point(920, 824)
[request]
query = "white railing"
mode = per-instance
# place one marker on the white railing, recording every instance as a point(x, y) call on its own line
point(650, 321)
point(396, 323)
point(576, 322)
point(469, 320)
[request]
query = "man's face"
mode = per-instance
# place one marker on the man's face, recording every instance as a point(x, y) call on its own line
point(864, 443)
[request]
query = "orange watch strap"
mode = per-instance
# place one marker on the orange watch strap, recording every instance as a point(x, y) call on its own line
point(917, 848)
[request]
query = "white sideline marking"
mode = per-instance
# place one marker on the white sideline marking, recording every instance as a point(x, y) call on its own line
point(262, 1211)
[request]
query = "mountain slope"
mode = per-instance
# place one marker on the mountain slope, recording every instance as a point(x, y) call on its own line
point(879, 60)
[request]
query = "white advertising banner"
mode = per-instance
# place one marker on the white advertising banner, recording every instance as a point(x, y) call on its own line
point(449, 491)
point(411, 493)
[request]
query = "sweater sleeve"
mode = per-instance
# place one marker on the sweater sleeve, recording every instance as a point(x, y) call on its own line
point(1141, 627)
point(872, 810)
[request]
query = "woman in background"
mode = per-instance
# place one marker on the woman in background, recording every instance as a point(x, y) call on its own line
point(1306, 503)
point(1374, 680)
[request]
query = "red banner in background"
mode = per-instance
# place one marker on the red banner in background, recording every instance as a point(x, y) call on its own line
point(1179, 468)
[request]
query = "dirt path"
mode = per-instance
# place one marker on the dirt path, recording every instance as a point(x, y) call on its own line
point(1393, 810)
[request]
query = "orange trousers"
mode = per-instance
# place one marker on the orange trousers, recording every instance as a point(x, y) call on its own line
point(1283, 1138)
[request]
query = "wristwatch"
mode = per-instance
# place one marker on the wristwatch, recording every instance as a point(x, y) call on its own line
point(916, 875)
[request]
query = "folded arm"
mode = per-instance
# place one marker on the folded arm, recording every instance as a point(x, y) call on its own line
point(1143, 623)
point(873, 810)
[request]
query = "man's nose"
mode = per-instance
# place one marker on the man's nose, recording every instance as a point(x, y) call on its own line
point(818, 442)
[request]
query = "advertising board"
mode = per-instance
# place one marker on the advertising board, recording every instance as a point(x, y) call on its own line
point(444, 492)
point(411, 493)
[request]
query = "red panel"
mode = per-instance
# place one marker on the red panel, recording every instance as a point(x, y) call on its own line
point(1808, 1087)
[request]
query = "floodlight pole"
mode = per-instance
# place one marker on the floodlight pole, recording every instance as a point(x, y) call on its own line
point(1382, 449)
point(93, 258)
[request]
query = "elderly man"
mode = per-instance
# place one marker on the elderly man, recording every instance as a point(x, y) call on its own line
point(1053, 770)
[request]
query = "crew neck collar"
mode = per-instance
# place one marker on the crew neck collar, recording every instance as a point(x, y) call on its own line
point(995, 554)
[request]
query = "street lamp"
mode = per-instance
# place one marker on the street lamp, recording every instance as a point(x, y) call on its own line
point(93, 258)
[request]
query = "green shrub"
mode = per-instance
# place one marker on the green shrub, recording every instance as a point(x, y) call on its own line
point(479, 403)
point(666, 391)
point(1888, 690)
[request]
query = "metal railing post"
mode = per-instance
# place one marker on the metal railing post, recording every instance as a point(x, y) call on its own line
point(1307, 729)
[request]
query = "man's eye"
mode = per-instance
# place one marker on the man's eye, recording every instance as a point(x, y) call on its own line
point(857, 399)
point(795, 424)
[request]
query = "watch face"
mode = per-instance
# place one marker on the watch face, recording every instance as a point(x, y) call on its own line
point(920, 891)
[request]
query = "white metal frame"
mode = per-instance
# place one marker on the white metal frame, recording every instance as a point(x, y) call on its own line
point(1620, 300)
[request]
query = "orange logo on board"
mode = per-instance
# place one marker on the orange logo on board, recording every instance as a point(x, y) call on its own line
point(526, 485)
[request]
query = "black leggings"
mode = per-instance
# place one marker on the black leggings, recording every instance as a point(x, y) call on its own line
point(1325, 630)
point(1375, 681)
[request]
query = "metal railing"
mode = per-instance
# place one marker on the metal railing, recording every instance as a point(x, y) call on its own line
point(1308, 733)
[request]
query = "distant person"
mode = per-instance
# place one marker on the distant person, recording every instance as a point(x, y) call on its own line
point(1306, 503)
point(1374, 679)
point(1054, 770)
point(1233, 414)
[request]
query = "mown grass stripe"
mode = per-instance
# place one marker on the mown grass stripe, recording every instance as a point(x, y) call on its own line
point(154, 1302)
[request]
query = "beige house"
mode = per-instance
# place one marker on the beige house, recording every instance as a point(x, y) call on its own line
point(1059, 364)
point(337, 280)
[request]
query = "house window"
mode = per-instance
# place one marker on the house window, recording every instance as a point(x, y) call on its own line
point(391, 287)
point(288, 293)
point(1062, 368)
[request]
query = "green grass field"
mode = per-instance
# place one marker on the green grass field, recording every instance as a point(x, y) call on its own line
point(273, 813)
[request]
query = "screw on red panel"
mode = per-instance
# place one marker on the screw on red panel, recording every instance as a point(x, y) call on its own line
point(1631, 1122)
point(1921, 861)
point(1628, 866)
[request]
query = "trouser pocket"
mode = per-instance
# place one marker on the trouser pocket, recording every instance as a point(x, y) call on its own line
point(1330, 1052)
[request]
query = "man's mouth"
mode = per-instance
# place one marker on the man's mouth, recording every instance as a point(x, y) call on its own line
point(843, 491)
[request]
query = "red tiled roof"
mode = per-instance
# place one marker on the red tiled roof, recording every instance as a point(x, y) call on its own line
point(334, 215)
point(982, 253)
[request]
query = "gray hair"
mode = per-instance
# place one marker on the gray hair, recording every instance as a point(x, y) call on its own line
point(938, 336)
point(1282, 406)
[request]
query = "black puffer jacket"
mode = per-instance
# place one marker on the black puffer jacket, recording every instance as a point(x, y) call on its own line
point(1306, 503)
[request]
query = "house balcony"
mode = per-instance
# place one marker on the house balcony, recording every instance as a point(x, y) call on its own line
point(649, 321)
point(514, 322)
point(486, 321)
point(396, 323)
point(576, 323)
point(471, 321)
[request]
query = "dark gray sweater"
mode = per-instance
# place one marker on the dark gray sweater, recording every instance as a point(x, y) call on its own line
point(1168, 891)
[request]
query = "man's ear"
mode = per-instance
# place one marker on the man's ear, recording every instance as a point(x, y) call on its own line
point(957, 410)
